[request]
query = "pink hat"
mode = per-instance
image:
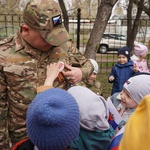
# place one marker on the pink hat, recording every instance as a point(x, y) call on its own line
point(140, 50)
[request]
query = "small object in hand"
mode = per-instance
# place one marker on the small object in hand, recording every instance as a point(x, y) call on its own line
point(61, 66)
point(60, 75)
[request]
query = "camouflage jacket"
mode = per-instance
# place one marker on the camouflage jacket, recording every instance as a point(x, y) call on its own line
point(95, 86)
point(23, 69)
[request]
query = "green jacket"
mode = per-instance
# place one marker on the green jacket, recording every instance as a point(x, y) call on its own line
point(93, 140)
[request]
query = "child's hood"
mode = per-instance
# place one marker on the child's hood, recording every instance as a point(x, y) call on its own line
point(92, 108)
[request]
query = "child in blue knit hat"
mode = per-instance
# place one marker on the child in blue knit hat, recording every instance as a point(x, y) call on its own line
point(52, 117)
point(122, 71)
point(54, 124)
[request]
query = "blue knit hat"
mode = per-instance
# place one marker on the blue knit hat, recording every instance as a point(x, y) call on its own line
point(125, 51)
point(53, 120)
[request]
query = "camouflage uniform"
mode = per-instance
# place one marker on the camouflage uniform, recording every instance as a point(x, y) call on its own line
point(95, 86)
point(23, 68)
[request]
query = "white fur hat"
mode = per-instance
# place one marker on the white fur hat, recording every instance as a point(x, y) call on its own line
point(95, 65)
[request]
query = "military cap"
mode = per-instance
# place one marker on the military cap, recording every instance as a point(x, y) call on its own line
point(45, 16)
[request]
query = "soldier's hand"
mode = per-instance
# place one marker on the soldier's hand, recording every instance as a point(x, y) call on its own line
point(73, 74)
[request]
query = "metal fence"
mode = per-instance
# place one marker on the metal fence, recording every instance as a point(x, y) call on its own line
point(9, 24)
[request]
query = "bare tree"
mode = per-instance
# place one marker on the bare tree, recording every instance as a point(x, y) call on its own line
point(103, 14)
point(8, 6)
point(146, 6)
point(65, 14)
point(133, 24)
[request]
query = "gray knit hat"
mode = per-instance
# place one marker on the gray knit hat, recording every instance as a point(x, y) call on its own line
point(92, 108)
point(138, 86)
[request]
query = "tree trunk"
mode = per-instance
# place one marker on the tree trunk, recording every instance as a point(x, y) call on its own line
point(65, 14)
point(103, 14)
point(133, 24)
point(146, 8)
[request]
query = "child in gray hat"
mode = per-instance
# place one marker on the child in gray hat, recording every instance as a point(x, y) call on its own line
point(95, 131)
point(134, 89)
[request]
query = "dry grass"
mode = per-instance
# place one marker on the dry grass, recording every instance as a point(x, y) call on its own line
point(106, 87)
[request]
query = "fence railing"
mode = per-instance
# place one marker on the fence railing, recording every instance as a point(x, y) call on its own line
point(9, 24)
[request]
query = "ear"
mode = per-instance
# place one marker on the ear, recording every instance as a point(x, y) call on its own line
point(25, 29)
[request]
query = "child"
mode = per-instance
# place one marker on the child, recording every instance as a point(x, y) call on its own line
point(133, 91)
point(141, 51)
point(122, 71)
point(136, 135)
point(52, 117)
point(95, 131)
point(91, 81)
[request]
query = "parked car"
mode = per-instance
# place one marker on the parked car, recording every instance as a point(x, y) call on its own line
point(111, 42)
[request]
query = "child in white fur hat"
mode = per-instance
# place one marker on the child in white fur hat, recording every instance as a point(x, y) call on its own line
point(91, 82)
point(141, 52)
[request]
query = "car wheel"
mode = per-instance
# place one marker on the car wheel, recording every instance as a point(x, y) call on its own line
point(103, 49)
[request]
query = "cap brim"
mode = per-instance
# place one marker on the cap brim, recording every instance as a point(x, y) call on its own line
point(118, 97)
point(57, 36)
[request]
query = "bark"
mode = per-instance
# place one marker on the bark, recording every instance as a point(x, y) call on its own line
point(65, 14)
point(103, 14)
point(146, 9)
point(133, 24)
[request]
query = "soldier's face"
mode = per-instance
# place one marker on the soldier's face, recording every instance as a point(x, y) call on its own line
point(34, 38)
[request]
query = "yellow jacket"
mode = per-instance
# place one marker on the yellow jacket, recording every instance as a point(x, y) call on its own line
point(137, 132)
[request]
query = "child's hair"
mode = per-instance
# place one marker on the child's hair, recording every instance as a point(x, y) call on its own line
point(53, 119)
point(95, 65)
point(125, 51)
point(140, 50)
point(138, 86)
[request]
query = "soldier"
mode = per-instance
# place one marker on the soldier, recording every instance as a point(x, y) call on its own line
point(41, 40)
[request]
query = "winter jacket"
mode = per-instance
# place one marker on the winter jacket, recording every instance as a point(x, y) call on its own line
point(121, 73)
point(142, 65)
point(93, 140)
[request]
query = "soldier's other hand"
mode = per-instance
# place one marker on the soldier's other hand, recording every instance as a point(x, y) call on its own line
point(73, 74)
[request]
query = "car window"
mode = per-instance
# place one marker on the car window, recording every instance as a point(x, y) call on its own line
point(123, 38)
point(114, 36)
